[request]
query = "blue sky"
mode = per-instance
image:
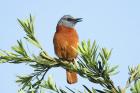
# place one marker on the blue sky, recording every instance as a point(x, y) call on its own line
point(112, 23)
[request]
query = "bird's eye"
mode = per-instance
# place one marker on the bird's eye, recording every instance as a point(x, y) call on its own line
point(69, 19)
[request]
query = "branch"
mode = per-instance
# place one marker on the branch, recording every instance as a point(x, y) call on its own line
point(134, 79)
point(92, 62)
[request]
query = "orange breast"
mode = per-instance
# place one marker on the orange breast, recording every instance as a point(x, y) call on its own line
point(65, 42)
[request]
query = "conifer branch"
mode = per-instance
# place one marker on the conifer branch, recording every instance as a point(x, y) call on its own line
point(92, 64)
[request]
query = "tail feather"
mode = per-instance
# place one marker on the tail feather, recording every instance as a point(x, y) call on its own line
point(71, 77)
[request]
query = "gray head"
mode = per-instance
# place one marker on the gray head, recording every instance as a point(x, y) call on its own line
point(69, 21)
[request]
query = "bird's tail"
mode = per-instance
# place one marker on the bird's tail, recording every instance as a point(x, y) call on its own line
point(71, 77)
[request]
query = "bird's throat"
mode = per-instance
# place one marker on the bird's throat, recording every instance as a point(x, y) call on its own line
point(62, 28)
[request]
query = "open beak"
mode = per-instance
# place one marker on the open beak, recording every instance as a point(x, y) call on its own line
point(78, 20)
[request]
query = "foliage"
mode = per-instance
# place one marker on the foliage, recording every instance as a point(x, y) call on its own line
point(92, 64)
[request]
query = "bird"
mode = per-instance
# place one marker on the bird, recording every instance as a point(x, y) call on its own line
point(65, 43)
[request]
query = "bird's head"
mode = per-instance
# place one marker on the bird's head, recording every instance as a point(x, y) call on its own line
point(69, 21)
